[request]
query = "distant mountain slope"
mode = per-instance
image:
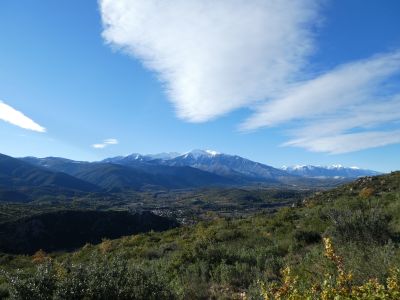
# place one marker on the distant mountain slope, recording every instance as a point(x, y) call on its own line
point(57, 164)
point(132, 174)
point(134, 157)
point(228, 165)
point(15, 173)
point(330, 171)
point(236, 168)
point(111, 176)
point(67, 230)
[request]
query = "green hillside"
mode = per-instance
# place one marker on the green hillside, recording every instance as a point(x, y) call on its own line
point(280, 256)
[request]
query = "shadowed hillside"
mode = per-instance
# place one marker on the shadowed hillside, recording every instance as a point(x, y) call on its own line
point(67, 230)
point(16, 174)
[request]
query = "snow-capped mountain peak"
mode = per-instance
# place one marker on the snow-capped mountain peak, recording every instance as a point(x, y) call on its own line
point(164, 155)
point(223, 164)
point(335, 166)
point(212, 152)
point(197, 153)
point(334, 171)
point(137, 157)
point(134, 156)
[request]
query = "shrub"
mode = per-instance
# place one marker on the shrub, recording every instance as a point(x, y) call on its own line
point(335, 285)
point(101, 278)
point(40, 285)
point(39, 257)
point(366, 192)
point(363, 226)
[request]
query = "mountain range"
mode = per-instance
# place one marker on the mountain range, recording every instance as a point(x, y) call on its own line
point(235, 168)
point(334, 171)
point(239, 168)
point(132, 174)
point(197, 168)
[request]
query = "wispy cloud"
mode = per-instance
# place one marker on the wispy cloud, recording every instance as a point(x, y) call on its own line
point(105, 143)
point(17, 118)
point(110, 141)
point(348, 142)
point(99, 146)
point(217, 56)
point(214, 56)
point(356, 83)
point(342, 110)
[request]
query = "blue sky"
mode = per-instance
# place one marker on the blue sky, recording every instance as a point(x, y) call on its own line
point(266, 92)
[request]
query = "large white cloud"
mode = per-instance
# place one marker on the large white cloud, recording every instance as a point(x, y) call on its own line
point(17, 118)
point(214, 56)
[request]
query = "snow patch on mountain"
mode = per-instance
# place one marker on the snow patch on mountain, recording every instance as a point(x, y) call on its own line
point(333, 171)
point(197, 153)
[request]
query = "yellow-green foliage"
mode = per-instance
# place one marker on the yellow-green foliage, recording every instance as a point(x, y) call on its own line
point(366, 192)
point(335, 285)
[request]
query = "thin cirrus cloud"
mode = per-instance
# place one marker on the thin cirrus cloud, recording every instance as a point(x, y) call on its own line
point(217, 56)
point(17, 118)
point(105, 143)
point(348, 142)
point(342, 110)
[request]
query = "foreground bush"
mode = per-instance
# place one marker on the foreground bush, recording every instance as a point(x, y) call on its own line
point(335, 286)
point(101, 278)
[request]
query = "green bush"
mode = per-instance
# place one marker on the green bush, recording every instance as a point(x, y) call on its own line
point(102, 278)
point(41, 285)
point(364, 226)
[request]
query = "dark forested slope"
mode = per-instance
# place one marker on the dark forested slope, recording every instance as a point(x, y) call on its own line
point(67, 230)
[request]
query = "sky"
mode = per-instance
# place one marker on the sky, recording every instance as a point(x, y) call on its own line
point(279, 82)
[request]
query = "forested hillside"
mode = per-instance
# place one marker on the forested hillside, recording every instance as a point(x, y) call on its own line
point(70, 229)
point(20, 181)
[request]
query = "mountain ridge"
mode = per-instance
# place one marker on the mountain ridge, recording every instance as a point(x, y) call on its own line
point(198, 158)
point(333, 171)
point(15, 173)
point(131, 174)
